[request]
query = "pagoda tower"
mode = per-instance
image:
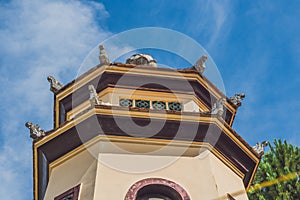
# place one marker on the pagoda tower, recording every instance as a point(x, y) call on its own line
point(136, 131)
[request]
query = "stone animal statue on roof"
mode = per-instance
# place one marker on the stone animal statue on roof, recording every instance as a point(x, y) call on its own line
point(55, 86)
point(94, 99)
point(259, 147)
point(35, 130)
point(103, 56)
point(217, 108)
point(237, 99)
point(200, 64)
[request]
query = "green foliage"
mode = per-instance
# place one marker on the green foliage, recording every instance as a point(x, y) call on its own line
point(278, 175)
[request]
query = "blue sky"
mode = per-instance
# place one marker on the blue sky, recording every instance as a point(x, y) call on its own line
point(255, 44)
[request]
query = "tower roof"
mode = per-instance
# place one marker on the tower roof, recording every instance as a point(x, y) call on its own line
point(146, 82)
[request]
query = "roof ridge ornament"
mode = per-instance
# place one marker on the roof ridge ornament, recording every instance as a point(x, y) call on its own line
point(142, 59)
point(55, 85)
point(200, 64)
point(237, 99)
point(35, 130)
point(103, 56)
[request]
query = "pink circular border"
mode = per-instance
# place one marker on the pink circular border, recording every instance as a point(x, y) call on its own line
point(132, 192)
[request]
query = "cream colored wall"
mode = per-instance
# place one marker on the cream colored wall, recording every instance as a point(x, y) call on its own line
point(196, 175)
point(203, 176)
point(107, 99)
point(77, 170)
point(191, 106)
point(226, 180)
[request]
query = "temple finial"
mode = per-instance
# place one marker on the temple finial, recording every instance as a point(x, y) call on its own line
point(35, 130)
point(103, 56)
point(55, 86)
point(200, 64)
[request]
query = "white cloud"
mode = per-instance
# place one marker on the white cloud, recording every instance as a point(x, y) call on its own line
point(220, 14)
point(212, 20)
point(38, 38)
